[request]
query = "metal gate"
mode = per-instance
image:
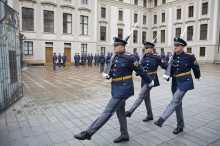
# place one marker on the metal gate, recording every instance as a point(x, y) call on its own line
point(11, 87)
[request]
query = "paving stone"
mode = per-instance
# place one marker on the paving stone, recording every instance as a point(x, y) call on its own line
point(72, 99)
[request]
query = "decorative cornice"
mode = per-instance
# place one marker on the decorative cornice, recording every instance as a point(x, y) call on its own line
point(120, 24)
point(48, 3)
point(67, 6)
point(33, 1)
point(103, 21)
point(204, 19)
point(84, 9)
point(190, 20)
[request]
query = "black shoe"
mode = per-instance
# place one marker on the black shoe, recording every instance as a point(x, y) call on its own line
point(159, 122)
point(121, 138)
point(84, 135)
point(177, 130)
point(148, 119)
point(128, 114)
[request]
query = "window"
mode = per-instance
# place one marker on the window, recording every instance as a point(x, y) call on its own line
point(83, 48)
point(84, 24)
point(103, 50)
point(120, 15)
point(163, 1)
point(155, 3)
point(102, 33)
point(120, 33)
point(162, 52)
point(144, 34)
point(205, 8)
point(191, 11)
point(155, 36)
point(145, 3)
point(144, 20)
point(178, 32)
point(162, 37)
point(163, 17)
point(203, 31)
point(178, 14)
point(84, 2)
point(155, 19)
point(103, 12)
point(13, 66)
point(189, 50)
point(202, 52)
point(135, 36)
point(67, 23)
point(189, 33)
point(48, 21)
point(136, 2)
point(135, 18)
point(28, 48)
point(27, 19)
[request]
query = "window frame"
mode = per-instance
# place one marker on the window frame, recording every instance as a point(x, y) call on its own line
point(103, 34)
point(66, 22)
point(205, 37)
point(26, 17)
point(28, 48)
point(84, 24)
point(50, 21)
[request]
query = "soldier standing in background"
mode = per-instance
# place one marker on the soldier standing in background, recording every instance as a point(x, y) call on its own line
point(64, 60)
point(102, 62)
point(136, 54)
point(54, 61)
point(59, 59)
point(180, 70)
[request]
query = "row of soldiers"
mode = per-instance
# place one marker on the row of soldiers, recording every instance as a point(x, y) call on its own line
point(59, 60)
point(89, 59)
point(120, 69)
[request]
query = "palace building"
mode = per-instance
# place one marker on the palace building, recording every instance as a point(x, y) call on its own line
point(88, 26)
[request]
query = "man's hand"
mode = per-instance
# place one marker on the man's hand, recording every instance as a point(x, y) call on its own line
point(105, 76)
point(166, 77)
point(151, 84)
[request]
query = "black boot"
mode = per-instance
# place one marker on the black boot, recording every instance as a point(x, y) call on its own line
point(84, 135)
point(148, 118)
point(159, 122)
point(177, 130)
point(128, 114)
point(121, 138)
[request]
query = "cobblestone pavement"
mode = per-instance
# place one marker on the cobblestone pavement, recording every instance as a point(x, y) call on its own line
point(59, 104)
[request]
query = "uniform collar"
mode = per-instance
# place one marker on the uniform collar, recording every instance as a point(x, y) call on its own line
point(180, 54)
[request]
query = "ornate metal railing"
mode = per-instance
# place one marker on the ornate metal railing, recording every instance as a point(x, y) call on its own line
point(11, 87)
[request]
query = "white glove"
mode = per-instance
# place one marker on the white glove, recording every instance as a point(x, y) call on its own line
point(198, 79)
point(166, 77)
point(151, 83)
point(105, 76)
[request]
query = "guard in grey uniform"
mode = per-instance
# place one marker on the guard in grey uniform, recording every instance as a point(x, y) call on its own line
point(179, 69)
point(150, 62)
point(121, 67)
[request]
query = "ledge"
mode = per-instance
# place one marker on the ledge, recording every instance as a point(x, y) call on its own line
point(120, 24)
point(33, 1)
point(103, 21)
point(67, 6)
point(84, 9)
point(204, 18)
point(49, 3)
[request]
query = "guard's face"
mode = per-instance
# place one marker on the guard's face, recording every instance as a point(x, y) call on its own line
point(178, 48)
point(119, 48)
point(149, 50)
